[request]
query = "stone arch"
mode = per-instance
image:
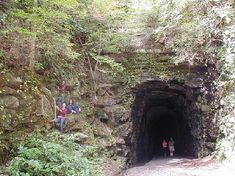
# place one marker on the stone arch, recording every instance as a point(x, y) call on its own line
point(161, 110)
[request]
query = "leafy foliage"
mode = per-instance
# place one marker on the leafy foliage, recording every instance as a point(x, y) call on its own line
point(54, 154)
point(69, 37)
point(43, 30)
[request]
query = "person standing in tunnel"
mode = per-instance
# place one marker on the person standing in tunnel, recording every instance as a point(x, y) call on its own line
point(164, 146)
point(171, 145)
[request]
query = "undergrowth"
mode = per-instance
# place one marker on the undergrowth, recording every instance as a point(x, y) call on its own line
point(54, 154)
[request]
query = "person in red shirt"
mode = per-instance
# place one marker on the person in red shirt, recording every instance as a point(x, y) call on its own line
point(164, 146)
point(61, 116)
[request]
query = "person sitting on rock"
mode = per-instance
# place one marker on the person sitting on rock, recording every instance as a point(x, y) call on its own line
point(73, 108)
point(61, 116)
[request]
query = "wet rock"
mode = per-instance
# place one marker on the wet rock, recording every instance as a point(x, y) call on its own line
point(9, 102)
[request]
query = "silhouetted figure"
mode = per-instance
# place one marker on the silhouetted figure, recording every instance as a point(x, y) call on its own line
point(164, 146)
point(171, 145)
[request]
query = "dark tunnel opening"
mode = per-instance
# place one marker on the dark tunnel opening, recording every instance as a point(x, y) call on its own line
point(162, 111)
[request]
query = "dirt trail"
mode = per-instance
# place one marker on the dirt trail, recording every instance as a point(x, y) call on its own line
point(181, 167)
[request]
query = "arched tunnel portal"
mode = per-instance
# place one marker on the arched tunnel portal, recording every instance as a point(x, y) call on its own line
point(162, 110)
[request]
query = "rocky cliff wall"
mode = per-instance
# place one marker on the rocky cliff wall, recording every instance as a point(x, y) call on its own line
point(25, 105)
point(116, 110)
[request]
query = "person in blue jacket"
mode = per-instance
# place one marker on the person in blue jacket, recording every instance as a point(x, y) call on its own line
point(73, 108)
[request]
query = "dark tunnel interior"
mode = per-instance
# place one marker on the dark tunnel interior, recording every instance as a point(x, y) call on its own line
point(160, 113)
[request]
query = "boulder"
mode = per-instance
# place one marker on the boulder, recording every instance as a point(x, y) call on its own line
point(104, 90)
point(122, 160)
point(194, 82)
point(48, 107)
point(9, 102)
point(7, 117)
point(79, 137)
point(117, 114)
point(205, 108)
point(8, 91)
point(112, 167)
point(100, 77)
point(73, 85)
point(105, 102)
point(125, 116)
point(101, 92)
point(101, 129)
point(4, 152)
point(106, 143)
point(44, 107)
point(75, 124)
point(14, 82)
point(100, 114)
point(120, 141)
point(124, 152)
point(124, 130)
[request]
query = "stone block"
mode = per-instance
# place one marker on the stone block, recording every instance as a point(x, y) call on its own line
point(205, 108)
point(101, 129)
point(8, 91)
point(14, 82)
point(9, 102)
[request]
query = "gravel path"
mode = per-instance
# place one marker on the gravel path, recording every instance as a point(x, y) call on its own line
point(181, 167)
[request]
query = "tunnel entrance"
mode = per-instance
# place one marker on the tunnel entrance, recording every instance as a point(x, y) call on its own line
point(162, 110)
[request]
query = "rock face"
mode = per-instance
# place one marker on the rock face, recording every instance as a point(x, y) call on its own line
point(127, 129)
point(9, 102)
point(21, 108)
point(186, 109)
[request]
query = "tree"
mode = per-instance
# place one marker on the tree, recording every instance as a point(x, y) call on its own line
point(39, 32)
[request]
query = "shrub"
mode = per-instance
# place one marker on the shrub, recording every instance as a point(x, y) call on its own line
point(55, 154)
